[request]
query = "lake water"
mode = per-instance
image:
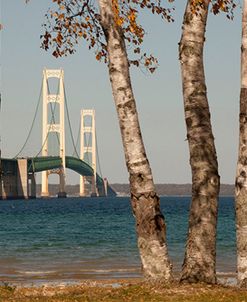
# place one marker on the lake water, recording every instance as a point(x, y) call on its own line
point(93, 238)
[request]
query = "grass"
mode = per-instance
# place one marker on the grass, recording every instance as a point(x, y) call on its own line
point(126, 291)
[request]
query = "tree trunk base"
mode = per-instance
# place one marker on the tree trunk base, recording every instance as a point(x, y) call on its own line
point(243, 283)
point(151, 236)
point(197, 275)
point(154, 260)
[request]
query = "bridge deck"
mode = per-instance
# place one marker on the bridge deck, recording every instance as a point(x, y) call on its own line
point(39, 164)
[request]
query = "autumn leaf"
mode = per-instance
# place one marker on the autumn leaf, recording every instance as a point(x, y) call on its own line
point(98, 56)
point(68, 21)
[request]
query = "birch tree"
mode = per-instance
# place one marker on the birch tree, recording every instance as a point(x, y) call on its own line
point(107, 32)
point(200, 255)
point(199, 261)
point(241, 175)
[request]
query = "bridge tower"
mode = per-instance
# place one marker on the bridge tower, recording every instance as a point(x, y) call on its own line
point(53, 126)
point(89, 147)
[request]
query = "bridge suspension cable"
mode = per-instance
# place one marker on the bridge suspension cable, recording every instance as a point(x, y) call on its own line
point(70, 128)
point(77, 140)
point(32, 125)
point(97, 155)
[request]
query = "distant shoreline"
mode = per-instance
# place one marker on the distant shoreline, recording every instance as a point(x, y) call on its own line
point(122, 190)
point(173, 189)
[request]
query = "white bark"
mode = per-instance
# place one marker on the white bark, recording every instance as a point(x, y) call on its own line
point(145, 203)
point(199, 261)
point(244, 47)
point(241, 175)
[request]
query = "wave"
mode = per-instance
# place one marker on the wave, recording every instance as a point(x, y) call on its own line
point(226, 273)
point(36, 272)
point(110, 270)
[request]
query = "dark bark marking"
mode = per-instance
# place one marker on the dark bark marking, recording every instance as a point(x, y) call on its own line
point(141, 163)
point(243, 283)
point(112, 69)
point(122, 127)
point(149, 219)
point(188, 122)
point(243, 174)
point(140, 178)
point(243, 99)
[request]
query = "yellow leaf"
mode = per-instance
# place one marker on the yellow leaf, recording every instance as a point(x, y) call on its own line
point(119, 21)
point(132, 16)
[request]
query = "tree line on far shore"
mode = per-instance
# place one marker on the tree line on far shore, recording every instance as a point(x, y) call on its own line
point(108, 26)
point(124, 189)
point(172, 189)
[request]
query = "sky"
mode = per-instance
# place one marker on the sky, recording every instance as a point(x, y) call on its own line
point(158, 96)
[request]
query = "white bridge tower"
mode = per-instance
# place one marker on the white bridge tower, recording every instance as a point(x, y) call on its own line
point(88, 147)
point(53, 126)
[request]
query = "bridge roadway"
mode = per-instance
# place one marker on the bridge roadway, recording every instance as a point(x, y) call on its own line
point(39, 164)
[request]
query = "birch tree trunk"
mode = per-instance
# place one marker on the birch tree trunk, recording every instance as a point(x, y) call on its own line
point(241, 176)
point(150, 225)
point(199, 261)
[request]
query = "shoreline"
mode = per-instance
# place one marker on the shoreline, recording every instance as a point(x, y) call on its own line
point(123, 290)
point(223, 278)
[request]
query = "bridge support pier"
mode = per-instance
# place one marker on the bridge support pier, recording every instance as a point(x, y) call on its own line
point(105, 186)
point(22, 179)
point(93, 187)
point(82, 186)
point(44, 184)
point(15, 180)
point(61, 193)
point(8, 179)
point(32, 186)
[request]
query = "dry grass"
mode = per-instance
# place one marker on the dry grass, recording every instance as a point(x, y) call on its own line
point(134, 290)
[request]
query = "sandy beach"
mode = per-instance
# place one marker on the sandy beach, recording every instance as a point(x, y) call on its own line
point(122, 290)
point(128, 289)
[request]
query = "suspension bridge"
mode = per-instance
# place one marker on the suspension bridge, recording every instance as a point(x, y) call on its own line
point(18, 175)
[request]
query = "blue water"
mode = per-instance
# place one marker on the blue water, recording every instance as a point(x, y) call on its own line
point(82, 238)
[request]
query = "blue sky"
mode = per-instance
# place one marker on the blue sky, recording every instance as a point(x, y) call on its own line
point(158, 96)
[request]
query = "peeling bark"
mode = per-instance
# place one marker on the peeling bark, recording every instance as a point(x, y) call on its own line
point(200, 255)
point(241, 175)
point(150, 224)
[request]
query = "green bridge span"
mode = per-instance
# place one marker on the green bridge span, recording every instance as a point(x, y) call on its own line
point(39, 164)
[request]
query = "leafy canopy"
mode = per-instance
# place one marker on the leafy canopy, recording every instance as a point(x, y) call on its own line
point(70, 21)
point(73, 20)
point(226, 6)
